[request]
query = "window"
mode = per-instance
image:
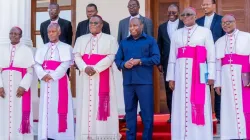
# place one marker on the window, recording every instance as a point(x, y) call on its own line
point(40, 14)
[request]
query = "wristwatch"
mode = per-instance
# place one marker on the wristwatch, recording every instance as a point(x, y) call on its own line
point(140, 63)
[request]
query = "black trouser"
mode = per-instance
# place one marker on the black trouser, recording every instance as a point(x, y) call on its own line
point(217, 100)
point(50, 139)
point(169, 94)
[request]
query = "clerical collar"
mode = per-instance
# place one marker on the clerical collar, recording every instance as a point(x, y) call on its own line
point(137, 16)
point(191, 27)
point(15, 45)
point(54, 44)
point(97, 35)
point(211, 16)
point(235, 30)
point(174, 22)
point(55, 21)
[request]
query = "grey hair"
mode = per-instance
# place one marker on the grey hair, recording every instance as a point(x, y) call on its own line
point(54, 25)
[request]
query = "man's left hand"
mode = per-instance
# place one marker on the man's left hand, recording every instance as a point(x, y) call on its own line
point(20, 92)
point(210, 82)
point(136, 61)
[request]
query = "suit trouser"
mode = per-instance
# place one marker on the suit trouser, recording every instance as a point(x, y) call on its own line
point(144, 94)
point(217, 100)
point(169, 94)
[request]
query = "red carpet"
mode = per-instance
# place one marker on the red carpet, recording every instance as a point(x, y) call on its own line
point(162, 129)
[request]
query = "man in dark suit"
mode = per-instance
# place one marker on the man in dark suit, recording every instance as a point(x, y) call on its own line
point(133, 8)
point(165, 32)
point(212, 21)
point(66, 27)
point(83, 26)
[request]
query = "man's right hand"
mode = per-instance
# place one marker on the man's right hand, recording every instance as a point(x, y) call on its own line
point(160, 68)
point(172, 85)
point(46, 78)
point(218, 89)
point(2, 94)
point(129, 64)
point(90, 71)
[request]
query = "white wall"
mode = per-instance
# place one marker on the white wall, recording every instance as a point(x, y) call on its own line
point(111, 11)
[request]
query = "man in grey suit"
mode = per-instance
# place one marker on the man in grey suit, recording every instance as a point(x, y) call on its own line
point(133, 8)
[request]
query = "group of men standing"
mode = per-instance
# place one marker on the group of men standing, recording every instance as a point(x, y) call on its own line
point(192, 54)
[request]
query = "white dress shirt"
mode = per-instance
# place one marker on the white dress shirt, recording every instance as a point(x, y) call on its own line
point(172, 27)
point(208, 21)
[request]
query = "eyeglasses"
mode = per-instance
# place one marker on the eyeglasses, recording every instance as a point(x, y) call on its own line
point(52, 10)
point(132, 6)
point(206, 4)
point(186, 15)
point(226, 23)
point(15, 34)
point(172, 13)
point(93, 23)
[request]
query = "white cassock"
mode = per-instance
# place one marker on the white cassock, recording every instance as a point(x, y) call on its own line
point(49, 91)
point(87, 95)
point(21, 56)
point(181, 125)
point(233, 125)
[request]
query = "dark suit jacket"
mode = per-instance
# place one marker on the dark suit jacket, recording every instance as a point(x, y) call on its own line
point(124, 27)
point(83, 28)
point(216, 27)
point(66, 31)
point(164, 43)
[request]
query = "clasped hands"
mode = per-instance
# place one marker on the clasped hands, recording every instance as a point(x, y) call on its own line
point(90, 71)
point(47, 78)
point(132, 62)
point(19, 93)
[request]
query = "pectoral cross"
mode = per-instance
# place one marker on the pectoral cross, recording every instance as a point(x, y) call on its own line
point(183, 50)
point(230, 60)
point(45, 66)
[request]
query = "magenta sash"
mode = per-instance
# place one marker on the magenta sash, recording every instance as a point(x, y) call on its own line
point(63, 95)
point(242, 60)
point(198, 90)
point(104, 99)
point(26, 102)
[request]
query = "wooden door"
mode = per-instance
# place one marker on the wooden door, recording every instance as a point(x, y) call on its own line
point(240, 9)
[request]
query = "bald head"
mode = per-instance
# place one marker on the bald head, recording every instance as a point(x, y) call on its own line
point(135, 27)
point(190, 10)
point(54, 25)
point(228, 23)
point(188, 16)
point(54, 32)
point(15, 35)
point(229, 17)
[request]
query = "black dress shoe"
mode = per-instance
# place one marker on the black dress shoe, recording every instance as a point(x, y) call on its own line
point(123, 119)
point(169, 120)
point(218, 121)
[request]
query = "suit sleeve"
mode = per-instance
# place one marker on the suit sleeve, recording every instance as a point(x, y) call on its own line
point(106, 28)
point(70, 34)
point(159, 42)
point(42, 33)
point(149, 25)
point(119, 35)
point(78, 31)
